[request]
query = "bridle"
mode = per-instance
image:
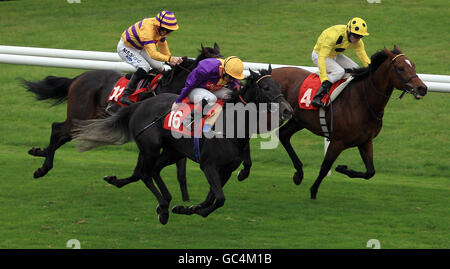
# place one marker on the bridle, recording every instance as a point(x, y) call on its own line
point(257, 84)
point(382, 93)
point(400, 77)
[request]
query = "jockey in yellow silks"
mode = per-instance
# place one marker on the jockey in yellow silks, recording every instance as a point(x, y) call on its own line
point(144, 46)
point(328, 53)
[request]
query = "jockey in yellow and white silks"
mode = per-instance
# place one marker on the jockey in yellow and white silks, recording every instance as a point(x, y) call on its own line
point(144, 46)
point(328, 53)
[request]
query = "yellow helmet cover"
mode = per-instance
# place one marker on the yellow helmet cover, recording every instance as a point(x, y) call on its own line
point(234, 67)
point(357, 26)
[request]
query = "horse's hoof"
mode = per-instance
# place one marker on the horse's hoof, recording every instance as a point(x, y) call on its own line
point(313, 193)
point(39, 173)
point(341, 169)
point(36, 152)
point(243, 174)
point(163, 219)
point(163, 215)
point(202, 212)
point(178, 209)
point(298, 177)
point(110, 179)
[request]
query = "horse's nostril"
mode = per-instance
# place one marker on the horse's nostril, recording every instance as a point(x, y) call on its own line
point(422, 90)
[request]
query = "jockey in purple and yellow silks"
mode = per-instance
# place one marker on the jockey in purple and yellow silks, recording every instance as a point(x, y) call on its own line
point(213, 78)
point(144, 46)
point(328, 53)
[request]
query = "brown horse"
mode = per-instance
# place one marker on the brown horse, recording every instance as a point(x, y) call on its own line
point(86, 97)
point(356, 113)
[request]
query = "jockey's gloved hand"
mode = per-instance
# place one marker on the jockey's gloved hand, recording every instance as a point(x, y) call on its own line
point(326, 84)
point(175, 106)
point(175, 60)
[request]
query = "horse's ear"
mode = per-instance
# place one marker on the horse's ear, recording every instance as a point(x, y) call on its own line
point(216, 47)
point(388, 52)
point(396, 49)
point(270, 68)
point(203, 48)
point(252, 74)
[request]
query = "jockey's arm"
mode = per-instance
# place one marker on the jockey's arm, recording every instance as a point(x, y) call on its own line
point(164, 47)
point(155, 54)
point(361, 53)
point(195, 78)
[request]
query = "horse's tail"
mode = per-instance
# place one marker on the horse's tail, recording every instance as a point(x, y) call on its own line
point(111, 130)
point(51, 87)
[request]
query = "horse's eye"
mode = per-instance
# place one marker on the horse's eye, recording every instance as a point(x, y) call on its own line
point(401, 69)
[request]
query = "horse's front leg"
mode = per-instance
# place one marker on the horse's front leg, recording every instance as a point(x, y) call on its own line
point(216, 181)
point(189, 210)
point(247, 163)
point(334, 149)
point(285, 133)
point(366, 152)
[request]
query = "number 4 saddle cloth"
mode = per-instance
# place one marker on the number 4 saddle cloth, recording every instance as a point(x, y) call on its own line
point(311, 85)
point(181, 120)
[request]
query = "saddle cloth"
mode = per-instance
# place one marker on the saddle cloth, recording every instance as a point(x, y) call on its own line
point(311, 85)
point(176, 121)
point(121, 84)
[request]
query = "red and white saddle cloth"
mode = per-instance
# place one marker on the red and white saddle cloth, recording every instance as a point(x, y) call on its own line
point(311, 85)
point(176, 121)
point(122, 83)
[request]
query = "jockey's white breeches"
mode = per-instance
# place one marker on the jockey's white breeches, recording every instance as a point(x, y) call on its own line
point(198, 94)
point(335, 66)
point(137, 58)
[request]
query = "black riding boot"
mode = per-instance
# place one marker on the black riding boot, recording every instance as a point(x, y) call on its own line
point(324, 88)
point(131, 87)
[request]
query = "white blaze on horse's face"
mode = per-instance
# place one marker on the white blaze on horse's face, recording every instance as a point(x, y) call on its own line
point(408, 62)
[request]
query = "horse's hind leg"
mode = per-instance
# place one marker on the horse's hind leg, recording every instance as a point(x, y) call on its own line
point(163, 205)
point(333, 151)
point(366, 152)
point(119, 183)
point(285, 133)
point(181, 176)
point(60, 135)
point(179, 209)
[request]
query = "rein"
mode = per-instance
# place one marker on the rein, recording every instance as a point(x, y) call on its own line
point(172, 72)
point(382, 93)
point(374, 115)
point(151, 124)
point(400, 78)
point(257, 82)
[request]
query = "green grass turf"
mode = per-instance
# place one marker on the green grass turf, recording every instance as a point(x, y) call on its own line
point(406, 204)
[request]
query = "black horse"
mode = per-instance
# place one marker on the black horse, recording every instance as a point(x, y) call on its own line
point(86, 97)
point(218, 158)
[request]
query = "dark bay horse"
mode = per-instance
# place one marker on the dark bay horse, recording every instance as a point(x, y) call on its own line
point(219, 157)
point(87, 95)
point(357, 111)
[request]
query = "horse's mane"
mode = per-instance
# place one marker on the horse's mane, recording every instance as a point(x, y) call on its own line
point(249, 81)
point(375, 61)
